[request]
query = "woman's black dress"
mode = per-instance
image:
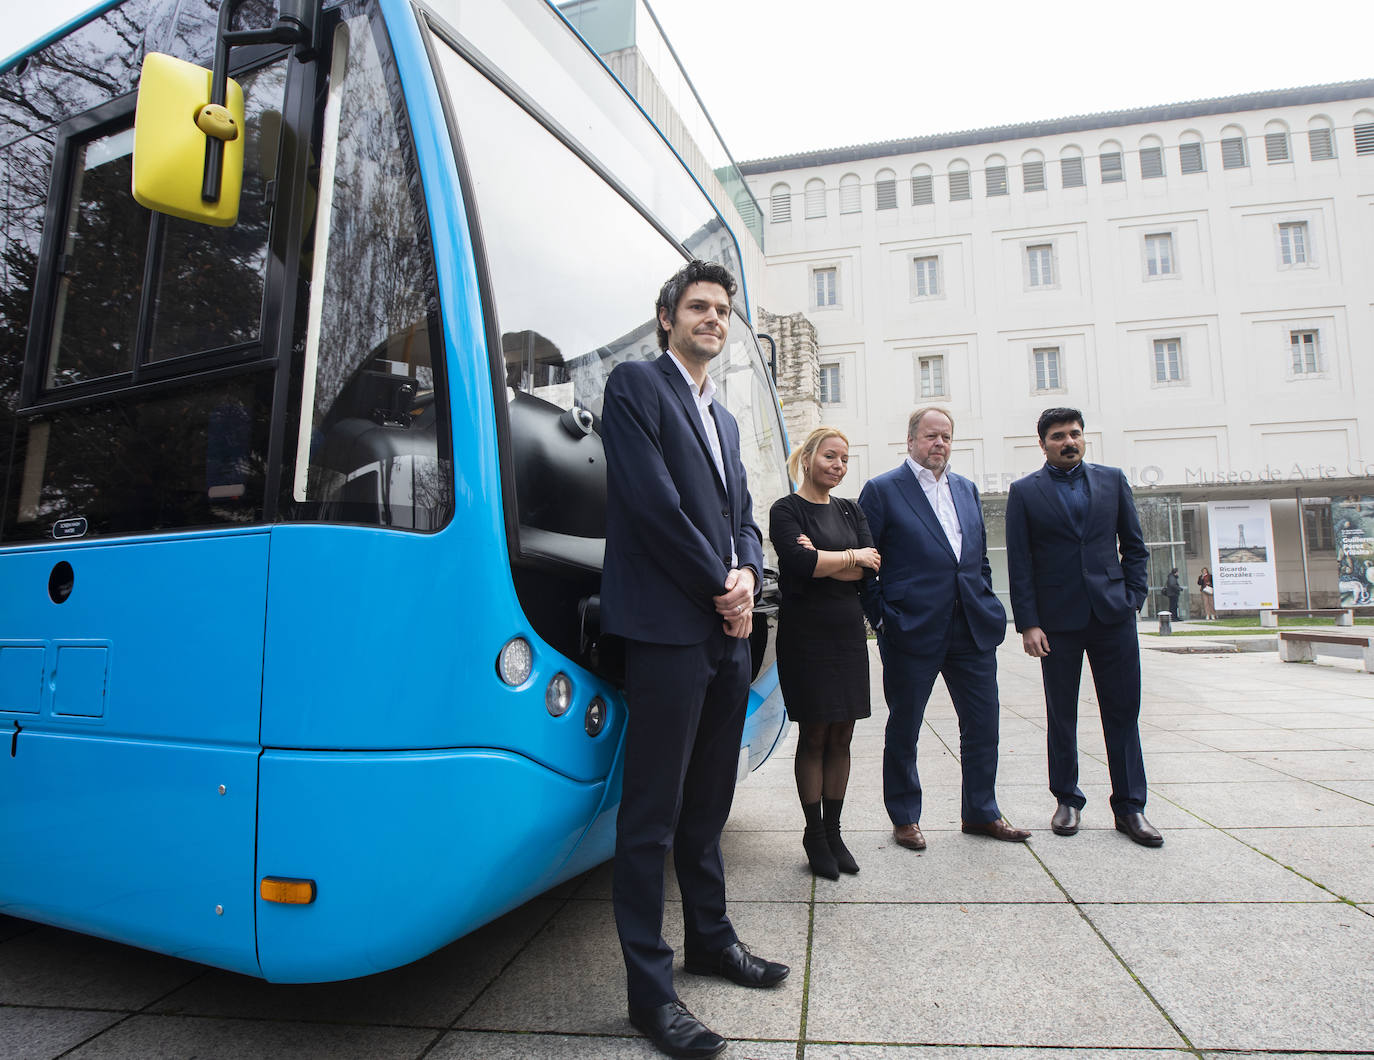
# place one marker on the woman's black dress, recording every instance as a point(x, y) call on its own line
point(822, 645)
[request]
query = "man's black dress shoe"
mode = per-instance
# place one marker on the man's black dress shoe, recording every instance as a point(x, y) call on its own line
point(1065, 820)
point(737, 964)
point(676, 1032)
point(1140, 830)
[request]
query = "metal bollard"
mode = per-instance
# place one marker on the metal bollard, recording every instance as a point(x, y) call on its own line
point(1166, 623)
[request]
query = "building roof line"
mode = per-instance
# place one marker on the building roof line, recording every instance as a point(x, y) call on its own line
point(1282, 97)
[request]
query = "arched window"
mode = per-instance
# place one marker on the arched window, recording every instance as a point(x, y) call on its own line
point(1233, 155)
point(780, 204)
point(1109, 163)
point(958, 181)
point(815, 198)
point(922, 185)
point(1364, 132)
point(1151, 158)
point(1071, 167)
point(849, 194)
point(1276, 143)
point(1190, 156)
point(1321, 138)
point(1032, 171)
point(885, 190)
point(995, 175)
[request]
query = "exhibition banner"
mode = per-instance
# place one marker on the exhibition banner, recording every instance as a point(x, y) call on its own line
point(1352, 525)
point(1243, 574)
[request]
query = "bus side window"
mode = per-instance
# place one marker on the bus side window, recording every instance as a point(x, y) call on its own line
point(372, 443)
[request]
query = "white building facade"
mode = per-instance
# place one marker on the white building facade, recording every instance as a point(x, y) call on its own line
point(1197, 278)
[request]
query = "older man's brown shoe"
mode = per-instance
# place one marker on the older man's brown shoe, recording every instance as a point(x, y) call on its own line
point(998, 829)
point(909, 836)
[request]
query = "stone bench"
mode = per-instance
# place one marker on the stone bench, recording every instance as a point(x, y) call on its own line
point(1344, 616)
point(1303, 645)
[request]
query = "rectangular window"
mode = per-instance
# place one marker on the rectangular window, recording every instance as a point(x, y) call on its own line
point(1316, 524)
point(885, 194)
point(1151, 162)
point(1320, 145)
point(1190, 158)
point(1071, 172)
point(1306, 352)
point(1159, 254)
point(1045, 361)
point(826, 285)
point(1364, 139)
point(1293, 243)
point(815, 200)
point(829, 391)
point(1190, 542)
point(922, 190)
point(849, 197)
point(1276, 147)
point(1110, 164)
point(1032, 176)
point(958, 186)
point(1168, 361)
point(1233, 153)
point(780, 206)
point(932, 377)
point(1040, 265)
point(996, 177)
point(926, 277)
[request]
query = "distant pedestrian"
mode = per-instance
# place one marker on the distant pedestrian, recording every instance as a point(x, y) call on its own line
point(1171, 590)
point(1204, 584)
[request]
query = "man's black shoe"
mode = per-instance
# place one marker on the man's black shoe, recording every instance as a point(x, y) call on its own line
point(741, 967)
point(1065, 820)
point(1139, 829)
point(676, 1032)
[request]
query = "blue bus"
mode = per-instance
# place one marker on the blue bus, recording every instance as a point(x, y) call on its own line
point(303, 511)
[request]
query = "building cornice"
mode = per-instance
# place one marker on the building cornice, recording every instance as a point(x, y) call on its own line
point(1283, 97)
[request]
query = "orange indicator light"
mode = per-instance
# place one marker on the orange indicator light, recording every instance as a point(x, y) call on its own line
point(287, 891)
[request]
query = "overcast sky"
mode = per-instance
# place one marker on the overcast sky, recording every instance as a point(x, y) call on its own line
point(782, 76)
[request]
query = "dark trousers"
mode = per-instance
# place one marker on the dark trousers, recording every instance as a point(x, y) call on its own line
point(971, 676)
point(686, 706)
point(1114, 655)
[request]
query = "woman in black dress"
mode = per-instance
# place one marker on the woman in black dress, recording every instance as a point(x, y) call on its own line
point(824, 551)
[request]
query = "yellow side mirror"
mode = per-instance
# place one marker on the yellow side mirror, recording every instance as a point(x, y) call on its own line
point(173, 120)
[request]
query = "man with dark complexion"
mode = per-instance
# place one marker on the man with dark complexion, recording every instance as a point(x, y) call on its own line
point(1076, 560)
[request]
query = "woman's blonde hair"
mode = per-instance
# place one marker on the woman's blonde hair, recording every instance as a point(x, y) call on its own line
point(805, 451)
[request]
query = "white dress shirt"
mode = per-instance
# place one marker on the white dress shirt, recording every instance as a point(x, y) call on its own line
point(942, 501)
point(703, 397)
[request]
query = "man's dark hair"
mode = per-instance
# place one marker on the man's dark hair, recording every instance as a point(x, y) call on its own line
point(696, 271)
point(1050, 417)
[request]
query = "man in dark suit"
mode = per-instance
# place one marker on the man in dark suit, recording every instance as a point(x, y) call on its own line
point(935, 613)
point(683, 563)
point(1077, 559)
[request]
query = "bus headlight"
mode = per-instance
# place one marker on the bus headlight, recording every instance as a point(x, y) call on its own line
point(558, 696)
point(595, 719)
point(515, 662)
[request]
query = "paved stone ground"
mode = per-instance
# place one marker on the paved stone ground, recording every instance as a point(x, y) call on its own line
point(1251, 932)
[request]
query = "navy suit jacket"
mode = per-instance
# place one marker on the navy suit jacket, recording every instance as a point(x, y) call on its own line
point(913, 596)
point(1059, 577)
point(670, 524)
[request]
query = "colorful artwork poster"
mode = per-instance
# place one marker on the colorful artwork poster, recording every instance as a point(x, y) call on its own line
point(1352, 526)
point(1243, 573)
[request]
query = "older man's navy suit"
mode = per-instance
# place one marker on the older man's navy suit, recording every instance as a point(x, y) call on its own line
point(935, 615)
point(1082, 582)
point(672, 528)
